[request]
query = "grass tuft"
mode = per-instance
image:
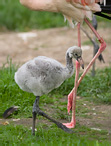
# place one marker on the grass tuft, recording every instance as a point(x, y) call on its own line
point(20, 135)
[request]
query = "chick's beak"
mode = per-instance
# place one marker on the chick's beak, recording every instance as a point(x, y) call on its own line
point(80, 60)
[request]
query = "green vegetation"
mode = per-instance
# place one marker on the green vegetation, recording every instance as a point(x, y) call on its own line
point(17, 17)
point(20, 135)
point(91, 89)
point(96, 88)
point(14, 16)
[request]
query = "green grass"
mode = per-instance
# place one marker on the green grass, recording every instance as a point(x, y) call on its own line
point(17, 17)
point(96, 89)
point(14, 16)
point(20, 135)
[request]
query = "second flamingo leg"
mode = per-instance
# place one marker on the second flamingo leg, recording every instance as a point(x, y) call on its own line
point(101, 49)
point(73, 120)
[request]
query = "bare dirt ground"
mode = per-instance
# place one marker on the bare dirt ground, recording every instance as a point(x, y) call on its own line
point(54, 43)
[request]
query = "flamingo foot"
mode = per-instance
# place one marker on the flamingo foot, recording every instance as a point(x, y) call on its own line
point(70, 125)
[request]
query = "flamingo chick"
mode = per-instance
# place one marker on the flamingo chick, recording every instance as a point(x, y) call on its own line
point(42, 74)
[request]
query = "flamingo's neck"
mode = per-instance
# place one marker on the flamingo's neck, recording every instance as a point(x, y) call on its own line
point(69, 64)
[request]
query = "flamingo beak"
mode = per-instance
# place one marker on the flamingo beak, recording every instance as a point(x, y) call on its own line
point(80, 60)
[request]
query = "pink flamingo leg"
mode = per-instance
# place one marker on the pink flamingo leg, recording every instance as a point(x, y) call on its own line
point(101, 49)
point(73, 121)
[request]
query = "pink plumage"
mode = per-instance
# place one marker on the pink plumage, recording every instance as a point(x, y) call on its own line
point(75, 10)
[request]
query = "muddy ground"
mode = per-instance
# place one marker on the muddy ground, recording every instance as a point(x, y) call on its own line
point(54, 43)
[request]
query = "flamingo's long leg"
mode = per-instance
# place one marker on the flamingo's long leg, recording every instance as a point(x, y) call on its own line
point(101, 49)
point(73, 121)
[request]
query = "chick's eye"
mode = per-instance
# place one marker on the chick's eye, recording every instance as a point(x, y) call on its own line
point(75, 54)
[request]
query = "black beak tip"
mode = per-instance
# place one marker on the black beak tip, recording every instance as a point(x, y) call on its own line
point(82, 66)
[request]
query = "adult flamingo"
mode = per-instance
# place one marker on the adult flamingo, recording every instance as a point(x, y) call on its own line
point(79, 11)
